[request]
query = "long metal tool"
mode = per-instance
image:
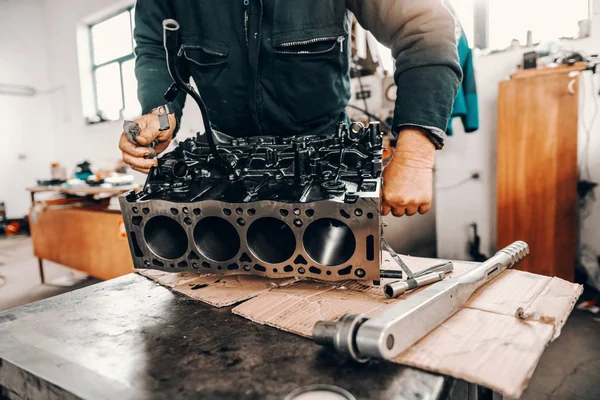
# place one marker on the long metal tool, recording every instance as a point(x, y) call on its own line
point(401, 326)
point(396, 257)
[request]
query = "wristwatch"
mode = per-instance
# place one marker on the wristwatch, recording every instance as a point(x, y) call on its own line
point(163, 112)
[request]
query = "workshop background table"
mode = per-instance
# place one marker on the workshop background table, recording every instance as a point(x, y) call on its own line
point(89, 238)
point(132, 338)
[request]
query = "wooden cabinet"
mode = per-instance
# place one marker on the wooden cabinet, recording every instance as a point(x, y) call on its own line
point(89, 240)
point(537, 168)
point(79, 234)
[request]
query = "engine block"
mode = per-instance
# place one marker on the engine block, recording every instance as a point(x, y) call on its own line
point(291, 207)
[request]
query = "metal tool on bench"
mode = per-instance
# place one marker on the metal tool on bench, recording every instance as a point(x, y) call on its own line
point(131, 129)
point(428, 276)
point(403, 324)
point(420, 279)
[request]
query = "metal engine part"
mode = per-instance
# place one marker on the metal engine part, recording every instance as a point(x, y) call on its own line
point(306, 206)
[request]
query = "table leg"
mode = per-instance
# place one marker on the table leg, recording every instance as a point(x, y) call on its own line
point(40, 261)
point(472, 391)
point(41, 268)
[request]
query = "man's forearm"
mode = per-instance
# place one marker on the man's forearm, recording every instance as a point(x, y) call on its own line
point(422, 38)
point(414, 148)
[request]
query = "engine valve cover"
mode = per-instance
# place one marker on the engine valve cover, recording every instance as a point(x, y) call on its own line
point(292, 207)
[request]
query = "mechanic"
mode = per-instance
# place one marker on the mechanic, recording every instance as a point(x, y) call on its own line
point(280, 67)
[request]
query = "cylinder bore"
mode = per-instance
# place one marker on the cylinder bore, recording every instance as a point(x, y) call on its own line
point(271, 240)
point(329, 241)
point(165, 237)
point(216, 238)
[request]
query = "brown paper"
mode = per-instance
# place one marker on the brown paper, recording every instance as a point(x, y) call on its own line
point(214, 290)
point(495, 340)
point(229, 290)
point(299, 307)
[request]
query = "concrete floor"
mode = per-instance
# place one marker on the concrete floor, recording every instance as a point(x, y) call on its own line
point(569, 369)
point(19, 277)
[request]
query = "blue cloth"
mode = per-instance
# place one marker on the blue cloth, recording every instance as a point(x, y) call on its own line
point(466, 105)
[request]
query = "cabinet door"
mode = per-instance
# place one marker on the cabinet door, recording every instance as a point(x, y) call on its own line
point(88, 240)
point(537, 170)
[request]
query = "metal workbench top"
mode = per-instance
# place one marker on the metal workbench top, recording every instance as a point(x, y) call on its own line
point(132, 338)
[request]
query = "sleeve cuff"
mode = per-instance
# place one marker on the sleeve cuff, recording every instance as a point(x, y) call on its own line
point(435, 135)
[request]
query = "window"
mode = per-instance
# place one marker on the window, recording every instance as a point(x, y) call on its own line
point(112, 61)
point(465, 14)
point(495, 24)
point(547, 20)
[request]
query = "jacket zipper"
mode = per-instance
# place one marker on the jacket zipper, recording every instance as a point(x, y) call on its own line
point(215, 53)
point(204, 49)
point(246, 3)
point(338, 39)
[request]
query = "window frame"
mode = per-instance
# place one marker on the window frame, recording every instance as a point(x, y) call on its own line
point(119, 60)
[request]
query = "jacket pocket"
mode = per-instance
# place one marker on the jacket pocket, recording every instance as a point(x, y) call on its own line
point(206, 55)
point(315, 46)
point(311, 76)
point(209, 66)
point(308, 18)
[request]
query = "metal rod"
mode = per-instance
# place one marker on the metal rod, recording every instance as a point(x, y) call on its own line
point(172, 45)
point(41, 270)
point(398, 288)
point(446, 267)
point(390, 274)
point(396, 257)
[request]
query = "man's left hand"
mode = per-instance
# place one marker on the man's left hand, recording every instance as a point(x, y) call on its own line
point(408, 177)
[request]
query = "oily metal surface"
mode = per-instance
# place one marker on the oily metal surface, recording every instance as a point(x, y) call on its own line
point(130, 338)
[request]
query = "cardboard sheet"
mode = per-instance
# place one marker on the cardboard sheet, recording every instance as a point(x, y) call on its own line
point(496, 340)
point(213, 290)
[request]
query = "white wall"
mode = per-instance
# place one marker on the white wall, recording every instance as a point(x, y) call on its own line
point(457, 207)
point(38, 47)
point(26, 134)
point(589, 89)
point(464, 154)
point(75, 140)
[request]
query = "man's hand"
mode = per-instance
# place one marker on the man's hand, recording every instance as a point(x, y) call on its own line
point(134, 154)
point(408, 177)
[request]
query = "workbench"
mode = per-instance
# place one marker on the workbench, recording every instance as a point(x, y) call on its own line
point(132, 338)
point(83, 236)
